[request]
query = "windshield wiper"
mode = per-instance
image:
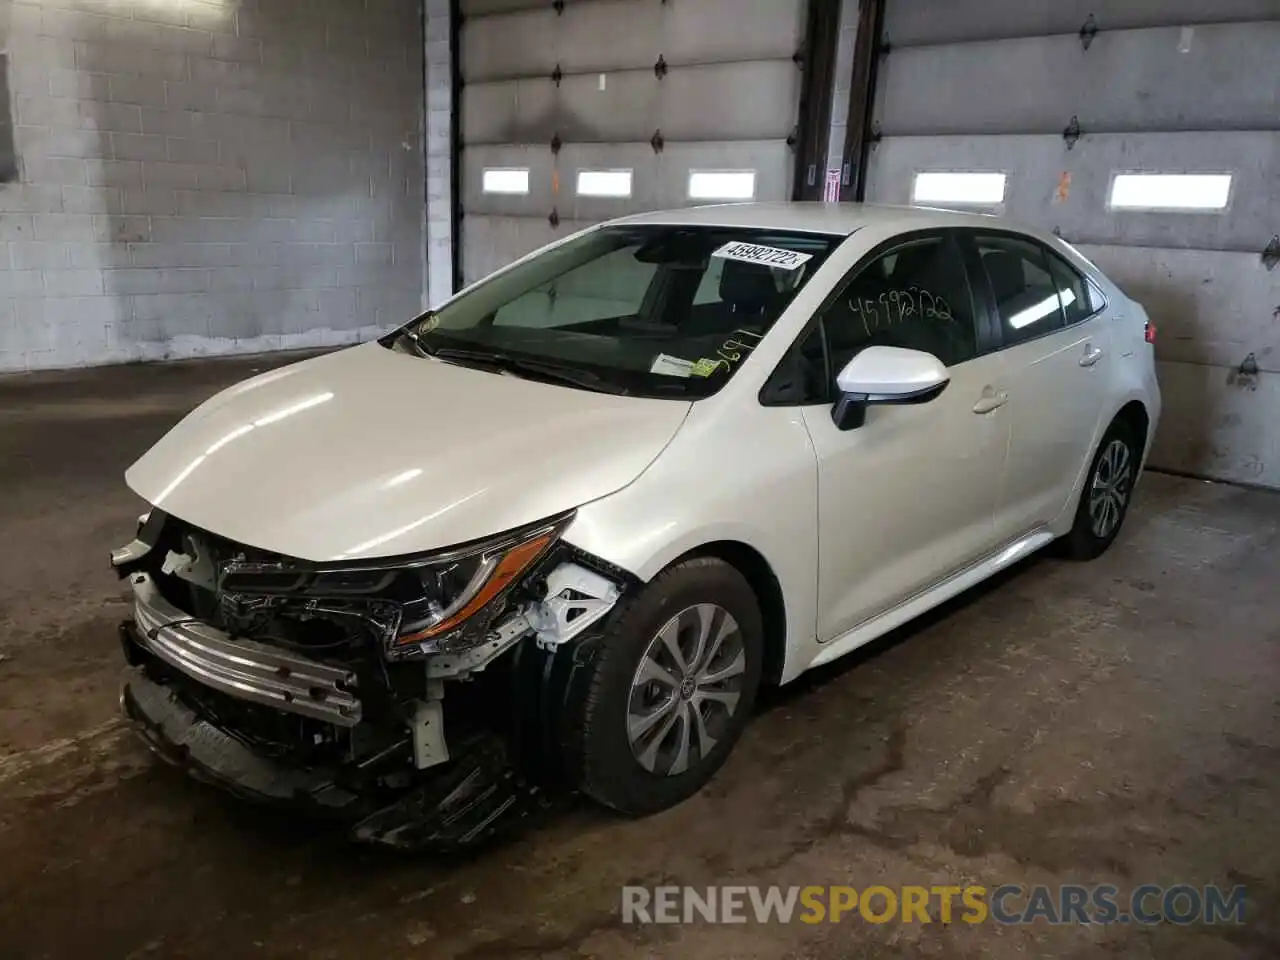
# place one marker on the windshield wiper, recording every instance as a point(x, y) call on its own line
point(410, 335)
point(541, 369)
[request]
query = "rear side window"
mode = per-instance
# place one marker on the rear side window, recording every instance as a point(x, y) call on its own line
point(1025, 292)
point(1072, 291)
point(1097, 299)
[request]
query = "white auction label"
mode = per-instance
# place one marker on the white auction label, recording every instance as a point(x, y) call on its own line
point(765, 256)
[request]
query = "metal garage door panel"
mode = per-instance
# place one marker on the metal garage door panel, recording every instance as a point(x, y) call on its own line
point(772, 160)
point(946, 21)
point(478, 8)
point(991, 86)
point(604, 35)
point(728, 101)
point(967, 88)
point(639, 158)
point(1218, 424)
point(740, 101)
point(519, 44)
point(658, 180)
point(516, 111)
point(1035, 166)
point(647, 182)
point(533, 111)
point(489, 243)
point(711, 31)
point(610, 35)
point(703, 103)
point(1209, 307)
point(535, 158)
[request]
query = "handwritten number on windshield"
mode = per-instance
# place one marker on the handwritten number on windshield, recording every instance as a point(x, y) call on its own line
point(734, 349)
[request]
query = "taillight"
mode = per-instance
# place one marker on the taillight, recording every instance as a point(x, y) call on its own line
point(1149, 332)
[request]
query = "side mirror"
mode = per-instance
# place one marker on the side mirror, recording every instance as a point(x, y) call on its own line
point(884, 375)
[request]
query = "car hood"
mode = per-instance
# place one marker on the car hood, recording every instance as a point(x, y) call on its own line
point(370, 452)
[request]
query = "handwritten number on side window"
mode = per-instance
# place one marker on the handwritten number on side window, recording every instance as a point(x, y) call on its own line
point(898, 306)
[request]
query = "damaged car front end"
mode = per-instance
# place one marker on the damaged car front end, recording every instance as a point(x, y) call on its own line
point(414, 698)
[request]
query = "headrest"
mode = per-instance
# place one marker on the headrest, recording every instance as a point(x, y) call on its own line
point(1005, 270)
point(916, 259)
point(749, 287)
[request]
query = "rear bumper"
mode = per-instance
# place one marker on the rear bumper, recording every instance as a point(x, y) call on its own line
point(241, 668)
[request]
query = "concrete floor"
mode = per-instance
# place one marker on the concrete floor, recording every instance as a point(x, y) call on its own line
point(1111, 722)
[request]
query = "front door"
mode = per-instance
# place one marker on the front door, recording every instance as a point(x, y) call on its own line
point(1058, 357)
point(908, 498)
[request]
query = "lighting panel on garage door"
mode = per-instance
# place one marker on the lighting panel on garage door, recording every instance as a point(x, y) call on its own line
point(659, 90)
point(1062, 98)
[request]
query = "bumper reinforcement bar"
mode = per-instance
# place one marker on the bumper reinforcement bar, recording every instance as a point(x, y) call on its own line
point(242, 668)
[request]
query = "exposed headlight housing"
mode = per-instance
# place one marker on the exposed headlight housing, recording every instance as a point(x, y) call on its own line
point(455, 590)
point(445, 601)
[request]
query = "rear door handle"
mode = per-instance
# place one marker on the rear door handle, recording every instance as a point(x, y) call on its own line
point(991, 400)
point(1091, 356)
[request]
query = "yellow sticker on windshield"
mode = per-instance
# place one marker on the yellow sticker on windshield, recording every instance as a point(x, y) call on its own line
point(705, 367)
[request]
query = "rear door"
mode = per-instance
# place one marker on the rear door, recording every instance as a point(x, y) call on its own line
point(1057, 355)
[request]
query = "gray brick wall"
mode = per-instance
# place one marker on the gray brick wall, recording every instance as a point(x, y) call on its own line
point(202, 177)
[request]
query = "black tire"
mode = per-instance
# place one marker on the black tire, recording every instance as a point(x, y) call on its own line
point(599, 751)
point(1086, 539)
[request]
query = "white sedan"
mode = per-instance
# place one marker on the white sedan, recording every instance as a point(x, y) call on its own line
point(560, 530)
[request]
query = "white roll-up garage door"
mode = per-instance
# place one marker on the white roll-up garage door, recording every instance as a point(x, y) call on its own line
point(1146, 132)
point(576, 112)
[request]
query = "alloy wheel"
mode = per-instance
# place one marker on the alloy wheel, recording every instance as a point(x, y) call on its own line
point(686, 689)
point(1109, 491)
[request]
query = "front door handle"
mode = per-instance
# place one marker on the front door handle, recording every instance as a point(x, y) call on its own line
point(1091, 356)
point(990, 400)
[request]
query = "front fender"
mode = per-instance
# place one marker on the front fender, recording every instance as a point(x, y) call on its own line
point(753, 481)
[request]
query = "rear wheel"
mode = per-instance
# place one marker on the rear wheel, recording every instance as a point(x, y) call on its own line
point(1104, 501)
point(671, 688)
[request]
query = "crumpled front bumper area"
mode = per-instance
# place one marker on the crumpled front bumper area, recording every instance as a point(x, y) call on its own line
point(474, 797)
point(179, 736)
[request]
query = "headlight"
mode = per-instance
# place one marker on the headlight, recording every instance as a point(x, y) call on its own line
point(455, 589)
point(445, 600)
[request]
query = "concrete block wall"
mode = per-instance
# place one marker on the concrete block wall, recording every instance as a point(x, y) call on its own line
point(439, 150)
point(201, 177)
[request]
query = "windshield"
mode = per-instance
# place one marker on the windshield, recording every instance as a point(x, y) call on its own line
point(649, 310)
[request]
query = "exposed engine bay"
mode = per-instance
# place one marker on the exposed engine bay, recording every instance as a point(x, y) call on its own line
point(416, 698)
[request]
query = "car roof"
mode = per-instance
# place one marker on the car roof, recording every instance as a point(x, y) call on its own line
point(830, 218)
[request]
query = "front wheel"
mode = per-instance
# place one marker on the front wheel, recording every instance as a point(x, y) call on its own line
point(1104, 501)
point(671, 688)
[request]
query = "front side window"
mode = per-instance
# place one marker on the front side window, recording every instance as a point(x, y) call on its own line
point(916, 296)
point(1025, 293)
point(650, 310)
